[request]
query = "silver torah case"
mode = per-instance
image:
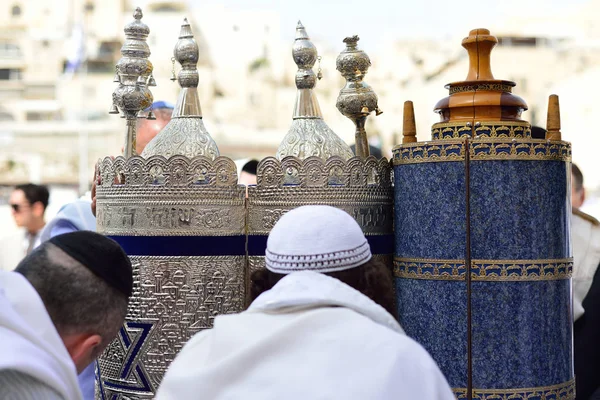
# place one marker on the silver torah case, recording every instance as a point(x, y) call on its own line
point(314, 166)
point(182, 223)
point(361, 187)
point(181, 220)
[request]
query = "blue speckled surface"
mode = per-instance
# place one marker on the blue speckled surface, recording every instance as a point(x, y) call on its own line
point(434, 314)
point(430, 210)
point(517, 211)
point(521, 334)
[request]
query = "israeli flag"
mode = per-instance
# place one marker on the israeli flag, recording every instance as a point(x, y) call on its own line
point(75, 50)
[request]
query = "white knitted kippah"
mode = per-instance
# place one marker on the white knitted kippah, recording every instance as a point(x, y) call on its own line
point(316, 238)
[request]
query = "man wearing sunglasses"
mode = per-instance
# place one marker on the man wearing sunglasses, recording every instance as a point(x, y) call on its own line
point(28, 204)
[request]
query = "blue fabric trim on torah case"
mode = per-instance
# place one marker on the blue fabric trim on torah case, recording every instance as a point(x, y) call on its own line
point(190, 246)
point(380, 244)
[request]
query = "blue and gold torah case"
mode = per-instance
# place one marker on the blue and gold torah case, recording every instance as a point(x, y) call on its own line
point(483, 259)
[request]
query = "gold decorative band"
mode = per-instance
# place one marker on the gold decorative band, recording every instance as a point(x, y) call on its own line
point(509, 149)
point(421, 152)
point(521, 270)
point(562, 391)
point(484, 270)
point(492, 129)
point(480, 87)
point(482, 149)
point(430, 269)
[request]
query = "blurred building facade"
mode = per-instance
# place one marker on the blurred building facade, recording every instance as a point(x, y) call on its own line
point(57, 63)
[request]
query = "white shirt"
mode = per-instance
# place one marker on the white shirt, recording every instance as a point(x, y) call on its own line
point(585, 233)
point(309, 337)
point(29, 342)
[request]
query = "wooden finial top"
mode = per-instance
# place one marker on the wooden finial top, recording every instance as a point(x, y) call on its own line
point(409, 129)
point(553, 121)
point(479, 45)
point(480, 97)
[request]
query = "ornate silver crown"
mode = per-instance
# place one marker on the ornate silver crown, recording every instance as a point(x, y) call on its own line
point(185, 134)
point(309, 135)
point(360, 185)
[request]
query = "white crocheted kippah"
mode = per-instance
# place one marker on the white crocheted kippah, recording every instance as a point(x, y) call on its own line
point(316, 238)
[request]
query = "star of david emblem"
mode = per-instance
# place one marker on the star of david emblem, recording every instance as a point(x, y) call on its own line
point(133, 379)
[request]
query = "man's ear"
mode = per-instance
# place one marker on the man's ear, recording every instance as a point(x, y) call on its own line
point(38, 209)
point(83, 349)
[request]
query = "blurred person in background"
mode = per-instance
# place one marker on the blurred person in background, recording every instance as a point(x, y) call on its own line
point(146, 131)
point(585, 234)
point(585, 231)
point(248, 173)
point(59, 309)
point(373, 150)
point(28, 204)
point(577, 189)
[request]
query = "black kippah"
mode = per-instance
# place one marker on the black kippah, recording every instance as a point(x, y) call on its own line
point(250, 167)
point(101, 255)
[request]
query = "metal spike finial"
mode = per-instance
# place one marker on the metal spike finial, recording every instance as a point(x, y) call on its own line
point(356, 99)
point(309, 135)
point(305, 54)
point(187, 54)
point(301, 33)
point(133, 70)
point(553, 119)
point(138, 14)
point(186, 121)
point(409, 129)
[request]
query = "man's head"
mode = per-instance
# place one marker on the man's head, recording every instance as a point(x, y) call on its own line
point(373, 150)
point(327, 240)
point(577, 189)
point(28, 204)
point(248, 173)
point(84, 280)
point(537, 132)
point(148, 129)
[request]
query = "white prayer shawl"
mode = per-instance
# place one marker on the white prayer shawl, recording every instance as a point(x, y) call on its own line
point(310, 337)
point(29, 342)
point(586, 257)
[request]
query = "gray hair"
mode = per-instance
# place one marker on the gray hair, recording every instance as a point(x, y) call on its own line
point(76, 300)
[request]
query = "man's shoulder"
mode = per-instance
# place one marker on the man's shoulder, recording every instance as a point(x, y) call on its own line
point(18, 385)
point(586, 217)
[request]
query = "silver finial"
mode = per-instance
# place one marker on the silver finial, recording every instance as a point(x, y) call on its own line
point(356, 99)
point(186, 122)
point(309, 135)
point(132, 72)
point(305, 56)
